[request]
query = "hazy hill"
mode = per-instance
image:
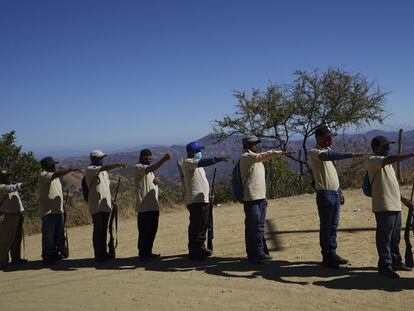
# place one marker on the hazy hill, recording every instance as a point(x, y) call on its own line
point(231, 146)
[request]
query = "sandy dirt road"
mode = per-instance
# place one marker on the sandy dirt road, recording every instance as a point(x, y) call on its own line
point(294, 280)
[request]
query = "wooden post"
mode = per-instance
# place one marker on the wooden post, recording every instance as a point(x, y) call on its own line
point(399, 170)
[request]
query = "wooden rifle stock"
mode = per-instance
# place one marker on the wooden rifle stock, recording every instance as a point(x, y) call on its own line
point(409, 262)
point(113, 243)
point(210, 227)
point(64, 247)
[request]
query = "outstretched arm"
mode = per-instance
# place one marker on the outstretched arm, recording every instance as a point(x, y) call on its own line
point(64, 172)
point(110, 167)
point(332, 155)
point(156, 166)
point(271, 154)
point(396, 158)
point(211, 161)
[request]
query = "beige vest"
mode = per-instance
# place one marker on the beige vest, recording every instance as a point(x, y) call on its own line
point(146, 191)
point(99, 192)
point(324, 172)
point(196, 183)
point(50, 194)
point(253, 177)
point(386, 196)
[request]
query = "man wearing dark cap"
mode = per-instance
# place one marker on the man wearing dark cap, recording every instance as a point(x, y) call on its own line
point(197, 191)
point(99, 201)
point(252, 173)
point(328, 194)
point(51, 207)
point(11, 220)
point(386, 204)
point(147, 206)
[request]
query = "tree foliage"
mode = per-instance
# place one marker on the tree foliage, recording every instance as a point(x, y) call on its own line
point(23, 167)
point(335, 97)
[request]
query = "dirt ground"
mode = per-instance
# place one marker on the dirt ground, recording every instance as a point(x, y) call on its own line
point(294, 280)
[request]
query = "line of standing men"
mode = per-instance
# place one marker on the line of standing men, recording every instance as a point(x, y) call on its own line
point(386, 202)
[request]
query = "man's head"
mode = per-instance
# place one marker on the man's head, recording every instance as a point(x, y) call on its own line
point(381, 145)
point(96, 157)
point(48, 164)
point(5, 177)
point(194, 150)
point(251, 143)
point(145, 157)
point(323, 136)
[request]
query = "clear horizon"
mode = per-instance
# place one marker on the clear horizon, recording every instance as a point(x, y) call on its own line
point(80, 75)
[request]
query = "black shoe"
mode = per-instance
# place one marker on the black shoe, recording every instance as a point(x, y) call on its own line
point(339, 260)
point(154, 256)
point(206, 252)
point(101, 259)
point(18, 261)
point(329, 263)
point(401, 267)
point(49, 261)
point(109, 256)
point(259, 259)
point(389, 273)
point(145, 258)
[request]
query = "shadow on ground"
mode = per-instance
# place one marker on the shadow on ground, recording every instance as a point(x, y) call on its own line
point(362, 278)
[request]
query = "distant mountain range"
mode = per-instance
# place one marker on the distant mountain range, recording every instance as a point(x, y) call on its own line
point(232, 147)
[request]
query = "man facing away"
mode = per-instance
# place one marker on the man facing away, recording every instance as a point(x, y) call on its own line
point(11, 221)
point(197, 192)
point(99, 201)
point(386, 204)
point(252, 173)
point(328, 193)
point(147, 206)
point(51, 207)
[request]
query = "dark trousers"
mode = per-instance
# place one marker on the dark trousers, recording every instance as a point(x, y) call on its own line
point(197, 229)
point(388, 239)
point(15, 250)
point(52, 232)
point(255, 216)
point(100, 230)
point(328, 208)
point(147, 230)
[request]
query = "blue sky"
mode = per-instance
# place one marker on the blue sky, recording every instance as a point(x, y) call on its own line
point(77, 75)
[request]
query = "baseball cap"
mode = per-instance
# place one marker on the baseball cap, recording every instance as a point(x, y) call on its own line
point(323, 130)
point(47, 161)
point(251, 139)
point(380, 140)
point(194, 147)
point(97, 154)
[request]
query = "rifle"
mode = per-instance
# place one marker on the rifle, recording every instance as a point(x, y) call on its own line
point(114, 216)
point(409, 262)
point(64, 243)
point(210, 226)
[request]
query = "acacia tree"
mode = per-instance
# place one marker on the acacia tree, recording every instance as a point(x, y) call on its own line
point(334, 97)
point(23, 166)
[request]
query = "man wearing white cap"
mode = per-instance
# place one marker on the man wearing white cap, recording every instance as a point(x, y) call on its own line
point(99, 201)
point(252, 173)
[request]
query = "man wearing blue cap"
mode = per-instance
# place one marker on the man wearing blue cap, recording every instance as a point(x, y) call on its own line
point(197, 198)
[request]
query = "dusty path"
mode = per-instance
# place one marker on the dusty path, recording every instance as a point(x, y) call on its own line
point(292, 281)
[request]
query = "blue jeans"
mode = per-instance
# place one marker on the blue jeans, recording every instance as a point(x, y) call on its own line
point(255, 215)
point(388, 239)
point(99, 235)
point(52, 233)
point(328, 202)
